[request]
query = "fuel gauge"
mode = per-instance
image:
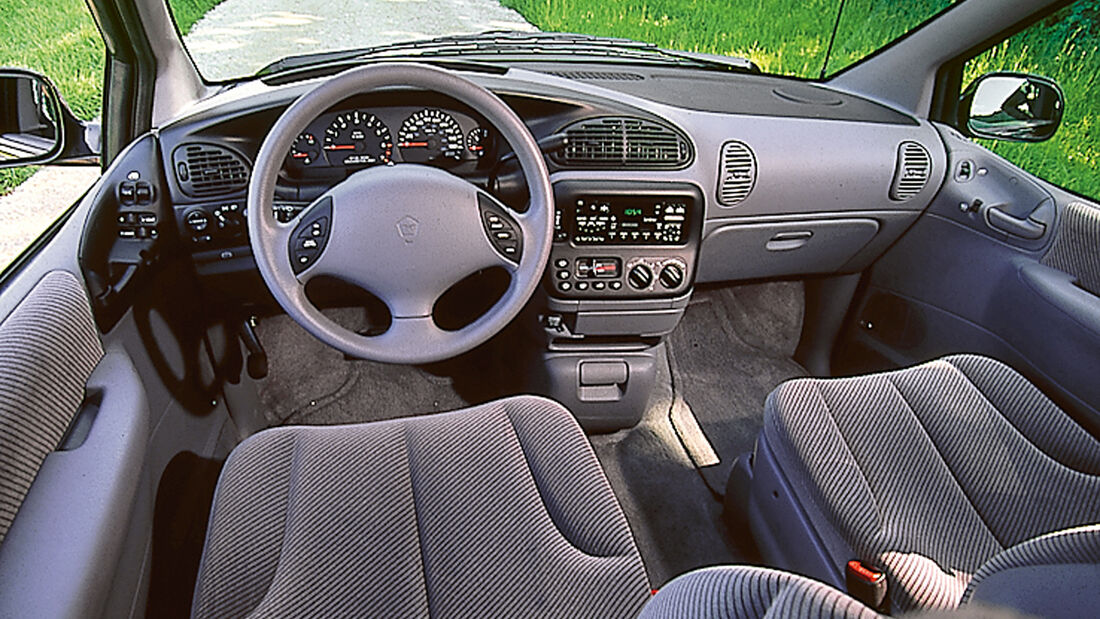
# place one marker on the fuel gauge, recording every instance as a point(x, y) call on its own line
point(305, 150)
point(477, 141)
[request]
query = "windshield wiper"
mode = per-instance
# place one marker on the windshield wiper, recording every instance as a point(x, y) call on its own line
point(512, 45)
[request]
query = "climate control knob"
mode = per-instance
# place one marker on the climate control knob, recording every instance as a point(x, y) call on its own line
point(671, 276)
point(640, 277)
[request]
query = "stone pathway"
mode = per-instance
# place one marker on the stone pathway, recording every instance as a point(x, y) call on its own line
point(38, 202)
point(239, 37)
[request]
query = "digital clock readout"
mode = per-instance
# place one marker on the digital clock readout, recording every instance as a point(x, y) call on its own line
point(610, 222)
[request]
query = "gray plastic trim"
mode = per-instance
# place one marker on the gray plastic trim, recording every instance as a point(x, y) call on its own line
point(784, 532)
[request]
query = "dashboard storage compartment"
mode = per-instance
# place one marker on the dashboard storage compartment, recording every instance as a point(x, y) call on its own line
point(737, 251)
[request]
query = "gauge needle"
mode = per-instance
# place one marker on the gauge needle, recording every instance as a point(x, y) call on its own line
point(341, 147)
point(412, 144)
point(300, 155)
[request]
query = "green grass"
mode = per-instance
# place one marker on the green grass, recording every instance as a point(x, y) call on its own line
point(790, 37)
point(187, 12)
point(59, 39)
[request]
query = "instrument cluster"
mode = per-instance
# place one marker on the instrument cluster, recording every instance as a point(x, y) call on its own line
point(358, 138)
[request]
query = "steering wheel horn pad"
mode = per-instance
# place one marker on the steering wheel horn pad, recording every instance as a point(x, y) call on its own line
point(406, 233)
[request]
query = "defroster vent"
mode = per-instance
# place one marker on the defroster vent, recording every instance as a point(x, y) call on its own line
point(624, 142)
point(209, 170)
point(914, 166)
point(736, 173)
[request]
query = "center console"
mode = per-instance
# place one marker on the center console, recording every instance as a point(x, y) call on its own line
point(624, 241)
point(619, 279)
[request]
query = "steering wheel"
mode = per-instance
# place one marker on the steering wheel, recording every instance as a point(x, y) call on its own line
point(406, 232)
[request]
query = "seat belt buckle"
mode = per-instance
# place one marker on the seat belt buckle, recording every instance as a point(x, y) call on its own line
point(866, 582)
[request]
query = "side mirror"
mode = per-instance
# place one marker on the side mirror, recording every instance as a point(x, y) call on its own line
point(35, 124)
point(1016, 107)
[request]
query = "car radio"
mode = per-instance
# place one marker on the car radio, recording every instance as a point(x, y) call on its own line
point(636, 239)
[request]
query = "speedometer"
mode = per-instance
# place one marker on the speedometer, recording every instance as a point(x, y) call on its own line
point(358, 138)
point(429, 135)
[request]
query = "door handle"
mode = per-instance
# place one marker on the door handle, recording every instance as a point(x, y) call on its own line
point(1016, 226)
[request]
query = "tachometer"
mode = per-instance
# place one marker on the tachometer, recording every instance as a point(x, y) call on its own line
point(358, 138)
point(429, 135)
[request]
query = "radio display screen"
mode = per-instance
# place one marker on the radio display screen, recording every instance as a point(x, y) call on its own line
point(630, 221)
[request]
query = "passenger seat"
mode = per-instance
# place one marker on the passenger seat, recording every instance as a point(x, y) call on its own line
point(958, 479)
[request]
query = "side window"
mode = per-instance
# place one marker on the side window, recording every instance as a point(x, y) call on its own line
point(1063, 47)
point(60, 40)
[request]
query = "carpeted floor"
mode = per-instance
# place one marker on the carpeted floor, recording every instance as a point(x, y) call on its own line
point(311, 383)
point(677, 522)
point(732, 348)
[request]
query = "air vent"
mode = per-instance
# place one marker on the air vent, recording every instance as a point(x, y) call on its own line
point(736, 174)
point(209, 170)
point(624, 142)
point(913, 169)
point(593, 76)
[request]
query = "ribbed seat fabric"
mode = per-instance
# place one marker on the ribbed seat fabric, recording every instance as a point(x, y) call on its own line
point(744, 592)
point(500, 510)
point(935, 470)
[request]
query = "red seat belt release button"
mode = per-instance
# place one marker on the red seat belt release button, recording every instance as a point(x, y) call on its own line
point(867, 583)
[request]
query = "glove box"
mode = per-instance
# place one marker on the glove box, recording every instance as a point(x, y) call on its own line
point(734, 251)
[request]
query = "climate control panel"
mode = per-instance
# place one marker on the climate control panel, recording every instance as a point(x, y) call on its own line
point(624, 240)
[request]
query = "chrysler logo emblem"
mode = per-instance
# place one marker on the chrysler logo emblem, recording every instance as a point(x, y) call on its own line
point(407, 227)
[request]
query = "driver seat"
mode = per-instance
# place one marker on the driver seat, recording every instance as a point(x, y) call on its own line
point(496, 510)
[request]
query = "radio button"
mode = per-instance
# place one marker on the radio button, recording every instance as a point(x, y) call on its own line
point(582, 285)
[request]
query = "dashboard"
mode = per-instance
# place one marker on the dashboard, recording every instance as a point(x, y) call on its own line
point(663, 178)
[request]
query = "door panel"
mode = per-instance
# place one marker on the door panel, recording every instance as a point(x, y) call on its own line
point(58, 559)
point(92, 445)
point(960, 281)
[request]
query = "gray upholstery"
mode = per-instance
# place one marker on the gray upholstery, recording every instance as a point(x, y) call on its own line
point(49, 346)
point(499, 510)
point(1074, 247)
point(932, 471)
point(1079, 546)
point(742, 592)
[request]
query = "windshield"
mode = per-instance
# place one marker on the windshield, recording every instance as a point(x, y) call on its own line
point(236, 38)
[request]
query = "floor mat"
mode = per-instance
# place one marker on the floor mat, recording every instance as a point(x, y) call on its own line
point(732, 348)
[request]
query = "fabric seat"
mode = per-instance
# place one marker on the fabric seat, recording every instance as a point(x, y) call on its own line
point(498, 510)
point(745, 592)
point(936, 473)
